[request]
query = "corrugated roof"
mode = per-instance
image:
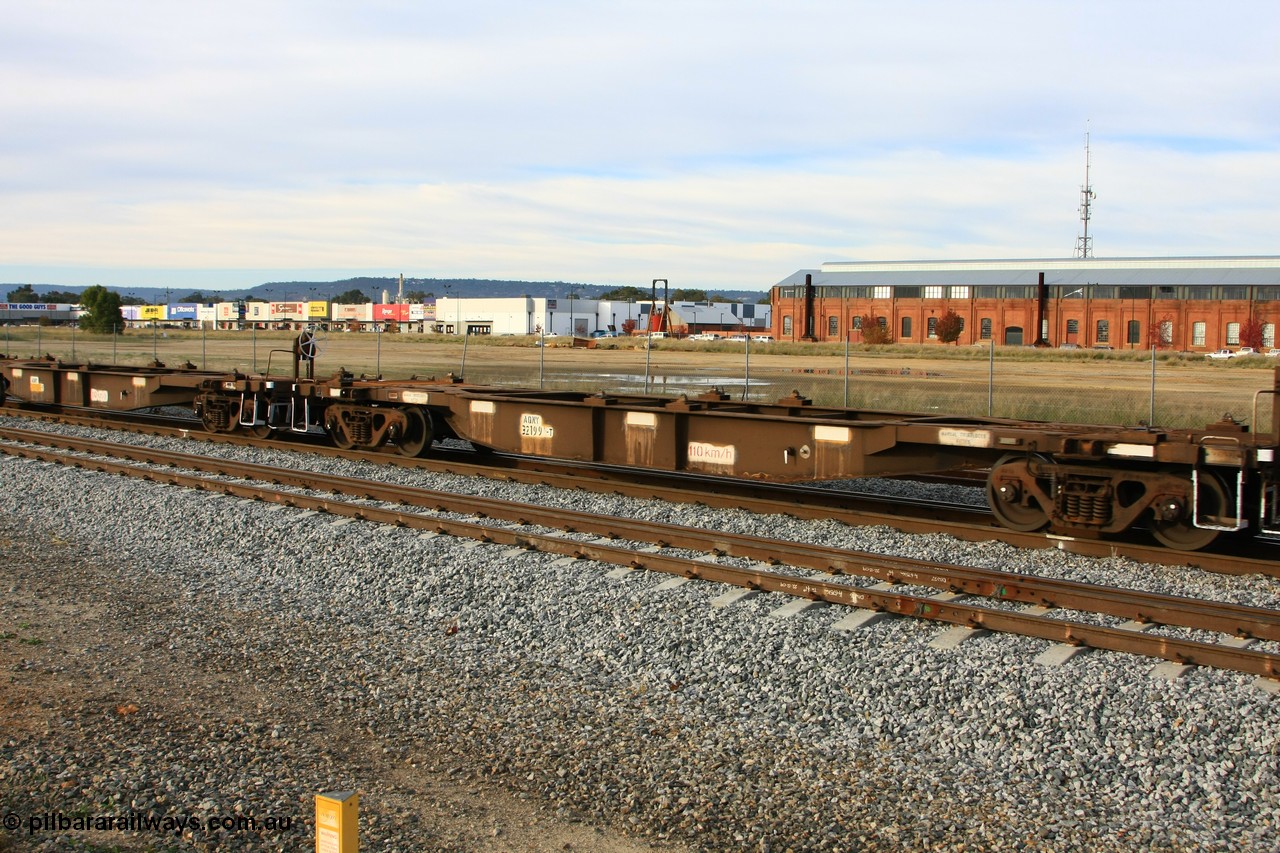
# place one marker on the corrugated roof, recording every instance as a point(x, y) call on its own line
point(1253, 270)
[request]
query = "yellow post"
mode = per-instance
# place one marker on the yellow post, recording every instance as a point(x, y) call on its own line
point(336, 822)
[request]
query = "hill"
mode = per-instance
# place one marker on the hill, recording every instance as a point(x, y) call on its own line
point(284, 291)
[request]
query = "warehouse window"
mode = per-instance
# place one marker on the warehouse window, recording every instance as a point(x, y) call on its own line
point(1166, 333)
point(905, 292)
point(906, 327)
point(984, 328)
point(1135, 332)
point(786, 324)
point(1197, 334)
point(1104, 332)
point(1073, 327)
point(880, 292)
point(1268, 334)
point(1235, 292)
point(933, 328)
point(933, 291)
point(1233, 334)
point(857, 324)
point(833, 326)
point(1166, 292)
point(987, 292)
point(960, 292)
point(1199, 292)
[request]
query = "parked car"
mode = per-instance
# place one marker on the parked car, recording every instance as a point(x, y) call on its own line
point(1243, 351)
point(1272, 353)
point(763, 339)
point(1222, 353)
point(603, 333)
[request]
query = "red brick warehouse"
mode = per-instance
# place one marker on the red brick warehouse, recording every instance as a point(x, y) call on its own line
point(1182, 304)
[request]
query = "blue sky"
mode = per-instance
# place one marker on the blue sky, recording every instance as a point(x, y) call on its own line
point(715, 144)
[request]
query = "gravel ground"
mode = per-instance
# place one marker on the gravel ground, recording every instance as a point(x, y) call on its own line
point(173, 653)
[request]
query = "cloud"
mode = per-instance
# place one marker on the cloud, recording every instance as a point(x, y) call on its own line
point(723, 143)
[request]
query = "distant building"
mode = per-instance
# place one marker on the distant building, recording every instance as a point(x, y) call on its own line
point(583, 317)
point(1184, 304)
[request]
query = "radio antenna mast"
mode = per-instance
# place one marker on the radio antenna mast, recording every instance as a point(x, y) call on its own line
point(1084, 243)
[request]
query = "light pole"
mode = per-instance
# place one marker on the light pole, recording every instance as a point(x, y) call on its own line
point(648, 338)
point(1057, 320)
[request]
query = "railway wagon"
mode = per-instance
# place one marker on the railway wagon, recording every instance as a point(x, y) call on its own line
point(1188, 487)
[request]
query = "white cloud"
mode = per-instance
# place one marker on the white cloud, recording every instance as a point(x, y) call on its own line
point(711, 142)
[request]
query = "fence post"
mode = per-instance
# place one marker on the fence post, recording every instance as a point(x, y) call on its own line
point(991, 381)
point(1152, 421)
point(847, 335)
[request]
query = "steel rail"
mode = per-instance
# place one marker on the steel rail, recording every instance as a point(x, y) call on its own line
point(1260, 663)
point(806, 502)
point(1136, 605)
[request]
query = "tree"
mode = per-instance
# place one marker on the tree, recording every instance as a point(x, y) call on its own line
point(351, 297)
point(1251, 333)
point(195, 296)
point(102, 310)
point(949, 327)
point(620, 294)
point(23, 294)
point(418, 295)
point(1160, 333)
point(874, 331)
point(689, 295)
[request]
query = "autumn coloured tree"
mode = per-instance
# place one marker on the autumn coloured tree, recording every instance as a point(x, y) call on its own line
point(1251, 333)
point(949, 327)
point(875, 330)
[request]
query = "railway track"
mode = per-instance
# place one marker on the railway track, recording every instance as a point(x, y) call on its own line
point(971, 598)
point(970, 523)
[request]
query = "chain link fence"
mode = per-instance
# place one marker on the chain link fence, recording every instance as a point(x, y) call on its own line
point(1121, 387)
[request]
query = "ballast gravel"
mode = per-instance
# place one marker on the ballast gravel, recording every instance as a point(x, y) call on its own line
point(641, 710)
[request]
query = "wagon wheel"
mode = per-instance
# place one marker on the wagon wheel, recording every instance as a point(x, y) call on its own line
point(210, 420)
point(417, 433)
point(338, 434)
point(1180, 533)
point(262, 431)
point(1010, 507)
